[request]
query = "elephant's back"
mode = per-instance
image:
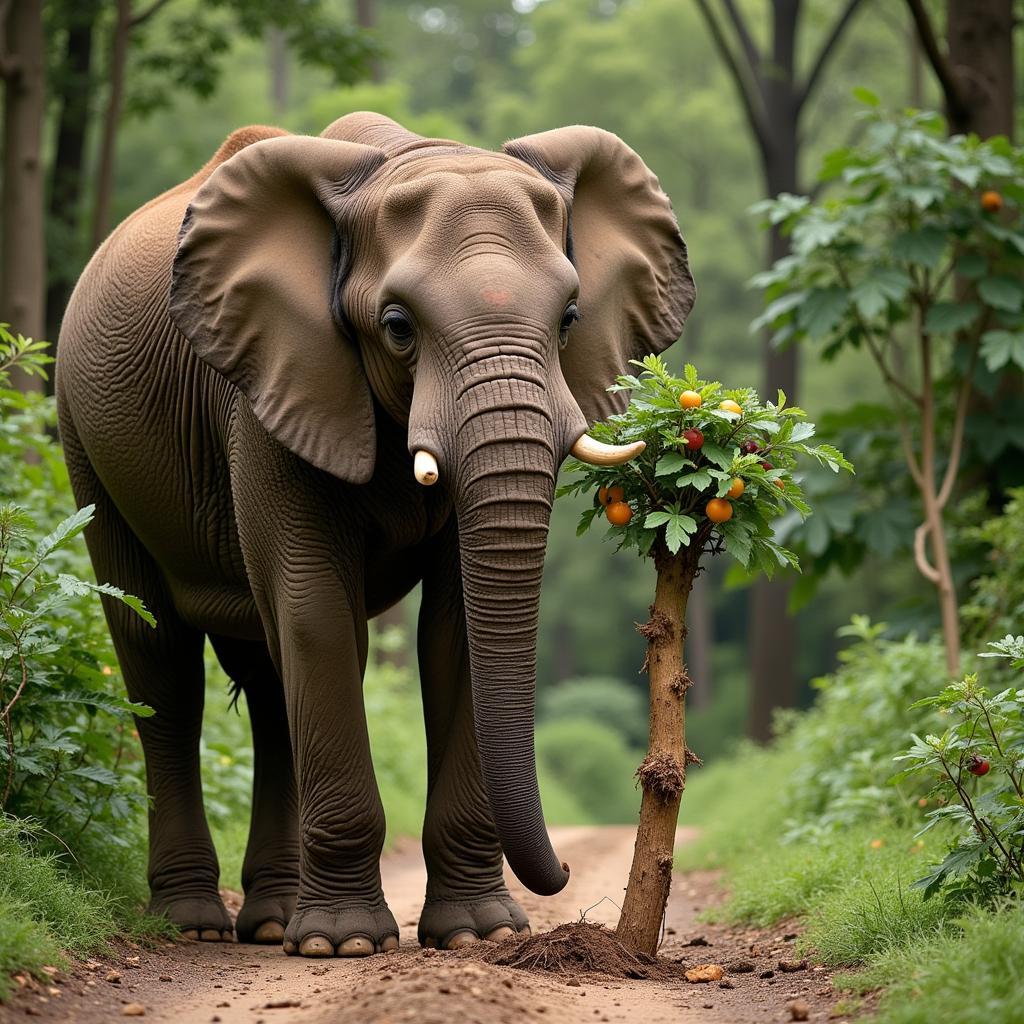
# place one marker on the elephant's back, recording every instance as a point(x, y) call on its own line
point(151, 417)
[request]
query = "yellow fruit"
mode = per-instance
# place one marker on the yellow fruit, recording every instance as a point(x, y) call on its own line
point(730, 406)
point(689, 400)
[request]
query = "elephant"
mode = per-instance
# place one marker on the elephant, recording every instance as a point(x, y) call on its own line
point(319, 372)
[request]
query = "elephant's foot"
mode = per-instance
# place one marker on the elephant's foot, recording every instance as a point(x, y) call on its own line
point(453, 923)
point(263, 918)
point(347, 928)
point(202, 918)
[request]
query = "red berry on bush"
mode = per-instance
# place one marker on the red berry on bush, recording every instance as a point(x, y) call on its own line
point(978, 765)
point(766, 466)
point(693, 438)
point(749, 447)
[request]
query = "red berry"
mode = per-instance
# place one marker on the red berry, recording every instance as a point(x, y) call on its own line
point(766, 466)
point(978, 765)
point(749, 447)
point(693, 438)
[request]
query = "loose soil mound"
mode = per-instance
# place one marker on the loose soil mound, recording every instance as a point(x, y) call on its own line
point(579, 948)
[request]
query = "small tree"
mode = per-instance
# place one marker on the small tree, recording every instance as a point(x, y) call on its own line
point(917, 260)
point(717, 471)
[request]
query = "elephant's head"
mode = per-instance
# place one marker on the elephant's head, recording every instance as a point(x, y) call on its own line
point(484, 299)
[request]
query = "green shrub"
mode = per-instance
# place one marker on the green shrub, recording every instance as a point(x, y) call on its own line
point(847, 741)
point(604, 699)
point(594, 765)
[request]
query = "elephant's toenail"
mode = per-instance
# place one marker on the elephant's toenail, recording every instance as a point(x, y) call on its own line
point(316, 945)
point(269, 932)
point(358, 945)
point(210, 935)
point(290, 948)
point(389, 944)
point(227, 935)
point(460, 939)
point(500, 934)
point(190, 933)
point(524, 932)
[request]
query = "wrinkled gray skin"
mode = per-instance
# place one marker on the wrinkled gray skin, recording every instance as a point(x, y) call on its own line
point(246, 367)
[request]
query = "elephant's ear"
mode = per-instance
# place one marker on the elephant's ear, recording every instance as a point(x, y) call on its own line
point(252, 292)
point(635, 284)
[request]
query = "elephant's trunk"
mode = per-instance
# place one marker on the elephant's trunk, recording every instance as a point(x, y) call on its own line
point(504, 476)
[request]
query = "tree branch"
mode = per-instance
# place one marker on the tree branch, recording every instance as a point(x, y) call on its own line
point(147, 13)
point(825, 54)
point(921, 557)
point(750, 95)
point(938, 60)
point(750, 50)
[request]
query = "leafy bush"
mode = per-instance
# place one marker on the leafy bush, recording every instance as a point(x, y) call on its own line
point(847, 739)
point(603, 699)
point(594, 765)
point(978, 764)
point(65, 735)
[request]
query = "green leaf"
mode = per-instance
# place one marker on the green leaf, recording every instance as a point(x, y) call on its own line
point(74, 587)
point(65, 532)
point(716, 454)
point(882, 286)
point(972, 265)
point(699, 479)
point(1004, 293)
point(866, 96)
point(1001, 347)
point(925, 246)
point(677, 529)
point(655, 519)
point(821, 310)
point(672, 462)
point(782, 305)
point(950, 317)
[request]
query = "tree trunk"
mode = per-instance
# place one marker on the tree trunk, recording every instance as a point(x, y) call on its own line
point(366, 17)
point(662, 774)
point(67, 176)
point(111, 120)
point(979, 37)
point(23, 241)
point(773, 632)
point(277, 53)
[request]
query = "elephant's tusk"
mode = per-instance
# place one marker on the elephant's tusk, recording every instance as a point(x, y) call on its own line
point(425, 468)
point(597, 453)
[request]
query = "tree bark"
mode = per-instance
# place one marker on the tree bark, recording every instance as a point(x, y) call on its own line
point(366, 17)
point(979, 35)
point(277, 52)
point(662, 774)
point(111, 120)
point(67, 176)
point(23, 242)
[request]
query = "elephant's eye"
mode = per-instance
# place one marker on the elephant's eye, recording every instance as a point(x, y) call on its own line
point(569, 317)
point(398, 326)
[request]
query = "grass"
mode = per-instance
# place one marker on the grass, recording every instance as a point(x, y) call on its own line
point(851, 887)
point(49, 909)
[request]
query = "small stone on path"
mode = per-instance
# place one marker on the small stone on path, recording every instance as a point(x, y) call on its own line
point(704, 973)
point(798, 1010)
point(133, 1010)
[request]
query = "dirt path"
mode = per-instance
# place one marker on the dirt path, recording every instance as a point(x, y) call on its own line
point(182, 983)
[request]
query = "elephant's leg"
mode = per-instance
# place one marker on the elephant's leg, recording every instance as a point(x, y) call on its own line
point(270, 871)
point(340, 910)
point(467, 898)
point(163, 668)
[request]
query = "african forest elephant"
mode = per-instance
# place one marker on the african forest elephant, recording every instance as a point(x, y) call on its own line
point(257, 372)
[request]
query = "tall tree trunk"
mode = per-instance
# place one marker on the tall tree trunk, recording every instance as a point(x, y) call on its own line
point(67, 177)
point(773, 631)
point(366, 17)
point(111, 120)
point(23, 241)
point(277, 53)
point(979, 37)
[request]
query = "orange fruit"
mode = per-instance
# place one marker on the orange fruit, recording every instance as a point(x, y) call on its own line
point(718, 510)
point(689, 400)
point(991, 201)
point(730, 406)
point(607, 495)
point(737, 488)
point(781, 484)
point(618, 513)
